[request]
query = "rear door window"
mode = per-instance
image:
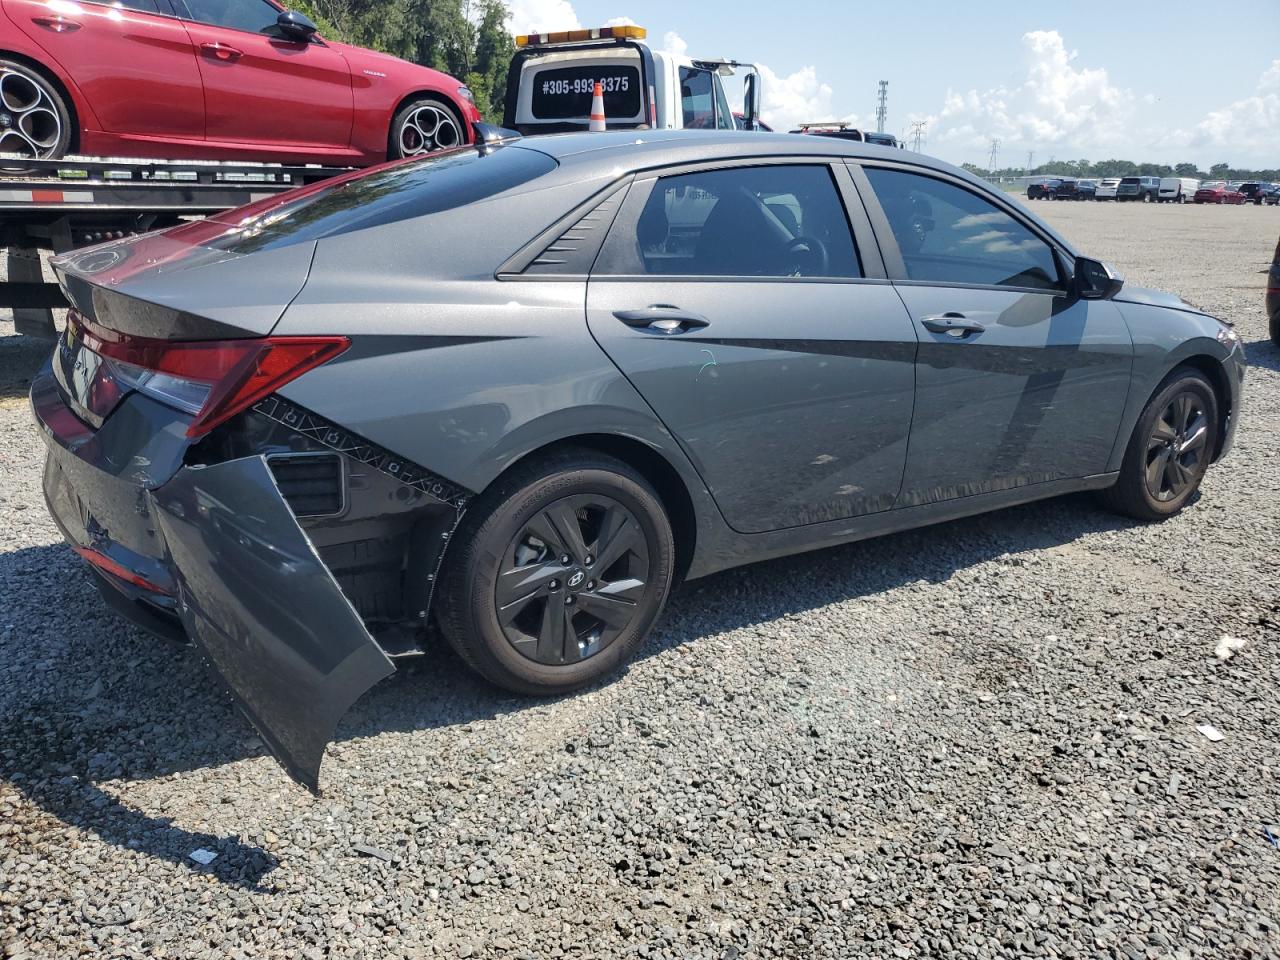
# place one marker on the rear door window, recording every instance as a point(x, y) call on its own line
point(772, 221)
point(947, 234)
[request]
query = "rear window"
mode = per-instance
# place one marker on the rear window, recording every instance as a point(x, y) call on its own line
point(1130, 180)
point(565, 93)
point(420, 187)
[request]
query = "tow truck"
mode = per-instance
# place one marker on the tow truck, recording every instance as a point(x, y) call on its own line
point(553, 75)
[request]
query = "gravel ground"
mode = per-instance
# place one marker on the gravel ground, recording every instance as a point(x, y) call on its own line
point(973, 740)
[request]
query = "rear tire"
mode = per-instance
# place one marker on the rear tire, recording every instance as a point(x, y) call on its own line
point(526, 602)
point(1169, 450)
point(34, 119)
point(424, 125)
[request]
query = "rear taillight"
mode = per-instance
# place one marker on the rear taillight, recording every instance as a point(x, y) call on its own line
point(211, 379)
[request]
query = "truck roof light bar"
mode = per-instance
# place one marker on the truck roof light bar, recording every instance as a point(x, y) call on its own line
point(627, 31)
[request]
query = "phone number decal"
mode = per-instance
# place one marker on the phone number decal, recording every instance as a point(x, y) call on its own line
point(587, 85)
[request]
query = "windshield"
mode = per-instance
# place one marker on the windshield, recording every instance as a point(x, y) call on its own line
point(1216, 185)
point(429, 184)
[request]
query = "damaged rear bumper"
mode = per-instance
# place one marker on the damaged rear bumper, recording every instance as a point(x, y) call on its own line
point(216, 552)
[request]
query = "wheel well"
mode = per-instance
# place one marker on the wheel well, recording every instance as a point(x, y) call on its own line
point(447, 100)
point(1213, 371)
point(58, 85)
point(655, 468)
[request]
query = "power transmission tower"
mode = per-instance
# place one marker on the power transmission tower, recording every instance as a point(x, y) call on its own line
point(995, 150)
point(1031, 161)
point(882, 106)
point(917, 134)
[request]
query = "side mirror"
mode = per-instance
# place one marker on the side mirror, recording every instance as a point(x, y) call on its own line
point(751, 102)
point(296, 26)
point(1095, 280)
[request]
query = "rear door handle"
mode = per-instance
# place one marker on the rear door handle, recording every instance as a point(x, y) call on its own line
point(221, 51)
point(955, 324)
point(58, 24)
point(662, 318)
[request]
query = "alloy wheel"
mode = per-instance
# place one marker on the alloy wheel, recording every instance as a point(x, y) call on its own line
point(428, 128)
point(1177, 447)
point(572, 579)
point(29, 120)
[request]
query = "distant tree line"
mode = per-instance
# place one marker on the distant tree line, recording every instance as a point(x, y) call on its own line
point(465, 38)
point(1083, 169)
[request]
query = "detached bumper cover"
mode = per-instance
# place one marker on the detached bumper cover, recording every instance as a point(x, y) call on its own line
point(254, 595)
point(229, 560)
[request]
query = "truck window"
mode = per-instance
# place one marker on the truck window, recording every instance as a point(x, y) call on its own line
point(564, 93)
point(697, 99)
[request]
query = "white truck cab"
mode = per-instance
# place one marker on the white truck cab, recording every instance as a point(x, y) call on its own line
point(553, 75)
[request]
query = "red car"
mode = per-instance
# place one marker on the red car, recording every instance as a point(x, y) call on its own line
point(1218, 193)
point(211, 79)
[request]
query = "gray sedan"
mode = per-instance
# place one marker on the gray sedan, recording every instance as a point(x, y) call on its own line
point(519, 390)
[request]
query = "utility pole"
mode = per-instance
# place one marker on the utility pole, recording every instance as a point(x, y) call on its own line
point(882, 106)
point(917, 134)
point(995, 150)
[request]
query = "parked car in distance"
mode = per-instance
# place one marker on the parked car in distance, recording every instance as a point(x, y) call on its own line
point(212, 80)
point(1045, 189)
point(1210, 191)
point(1145, 189)
point(1177, 189)
point(343, 397)
point(1253, 192)
point(1067, 189)
point(1106, 189)
point(1273, 297)
point(1271, 194)
point(1085, 189)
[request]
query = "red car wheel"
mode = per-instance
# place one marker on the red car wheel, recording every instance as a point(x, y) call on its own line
point(424, 126)
point(34, 121)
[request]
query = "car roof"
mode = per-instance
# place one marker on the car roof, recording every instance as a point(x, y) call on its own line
point(653, 148)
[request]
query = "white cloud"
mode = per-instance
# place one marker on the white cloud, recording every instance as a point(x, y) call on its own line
point(541, 16)
point(797, 98)
point(674, 44)
point(618, 22)
point(1058, 104)
point(1250, 126)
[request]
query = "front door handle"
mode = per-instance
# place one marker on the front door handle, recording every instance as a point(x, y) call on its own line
point(221, 51)
point(662, 318)
point(955, 324)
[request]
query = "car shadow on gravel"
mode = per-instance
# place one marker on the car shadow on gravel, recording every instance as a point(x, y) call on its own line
point(1263, 353)
point(89, 701)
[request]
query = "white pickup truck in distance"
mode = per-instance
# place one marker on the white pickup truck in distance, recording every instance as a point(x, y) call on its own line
point(553, 75)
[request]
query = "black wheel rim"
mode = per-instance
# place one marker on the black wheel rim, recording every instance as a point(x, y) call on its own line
point(572, 579)
point(1177, 447)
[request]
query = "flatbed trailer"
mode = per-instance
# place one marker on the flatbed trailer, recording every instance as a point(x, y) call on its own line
point(72, 202)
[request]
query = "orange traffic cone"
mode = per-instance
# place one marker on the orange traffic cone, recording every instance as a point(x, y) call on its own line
point(597, 110)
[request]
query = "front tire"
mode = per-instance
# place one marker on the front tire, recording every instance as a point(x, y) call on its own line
point(1170, 449)
point(34, 119)
point(560, 571)
point(423, 126)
